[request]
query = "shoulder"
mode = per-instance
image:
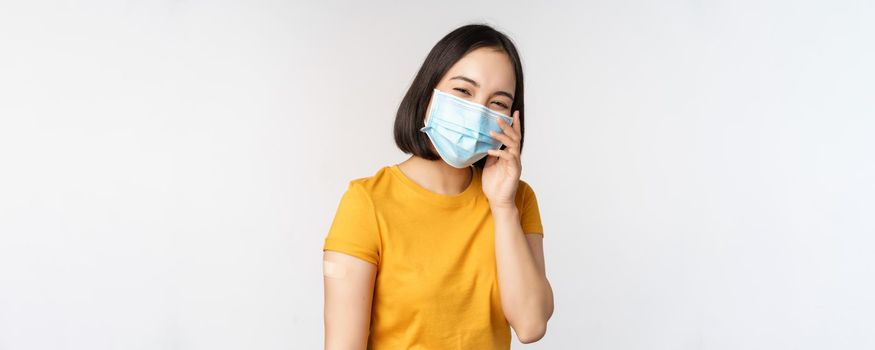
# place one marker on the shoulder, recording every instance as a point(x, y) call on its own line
point(524, 190)
point(524, 187)
point(530, 216)
point(368, 185)
point(524, 194)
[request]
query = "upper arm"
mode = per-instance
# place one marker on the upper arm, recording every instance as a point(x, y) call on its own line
point(349, 288)
point(536, 245)
point(355, 230)
point(530, 221)
point(351, 255)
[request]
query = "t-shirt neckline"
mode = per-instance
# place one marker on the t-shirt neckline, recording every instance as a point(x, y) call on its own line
point(437, 198)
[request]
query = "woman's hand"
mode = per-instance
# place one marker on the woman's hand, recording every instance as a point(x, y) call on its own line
point(501, 174)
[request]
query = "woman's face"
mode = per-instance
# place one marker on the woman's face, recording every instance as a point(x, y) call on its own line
point(484, 76)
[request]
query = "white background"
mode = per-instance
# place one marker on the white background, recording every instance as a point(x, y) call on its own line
point(169, 169)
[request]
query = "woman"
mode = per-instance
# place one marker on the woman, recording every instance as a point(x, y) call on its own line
point(418, 252)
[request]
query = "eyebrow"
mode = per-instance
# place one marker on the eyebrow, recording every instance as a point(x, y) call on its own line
point(461, 77)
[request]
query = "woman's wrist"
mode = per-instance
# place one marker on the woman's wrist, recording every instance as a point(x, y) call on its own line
point(504, 209)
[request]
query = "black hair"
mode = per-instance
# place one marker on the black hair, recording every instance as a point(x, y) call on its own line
point(449, 50)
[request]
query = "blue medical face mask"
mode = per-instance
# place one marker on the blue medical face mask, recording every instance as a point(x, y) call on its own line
point(459, 129)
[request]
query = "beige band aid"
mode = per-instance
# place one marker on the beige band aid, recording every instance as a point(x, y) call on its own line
point(333, 269)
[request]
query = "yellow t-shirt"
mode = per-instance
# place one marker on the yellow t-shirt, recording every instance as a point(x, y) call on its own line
point(436, 284)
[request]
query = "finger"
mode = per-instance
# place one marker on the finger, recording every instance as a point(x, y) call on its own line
point(505, 139)
point(491, 160)
point(503, 154)
point(516, 122)
point(508, 130)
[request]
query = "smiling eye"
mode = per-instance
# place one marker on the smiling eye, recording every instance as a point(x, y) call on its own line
point(462, 90)
point(500, 104)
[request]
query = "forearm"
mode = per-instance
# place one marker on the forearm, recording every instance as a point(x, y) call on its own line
point(526, 295)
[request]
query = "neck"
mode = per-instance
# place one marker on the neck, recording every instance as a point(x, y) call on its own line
point(436, 175)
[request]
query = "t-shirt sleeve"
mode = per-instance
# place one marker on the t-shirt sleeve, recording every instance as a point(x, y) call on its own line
point(354, 230)
point(527, 204)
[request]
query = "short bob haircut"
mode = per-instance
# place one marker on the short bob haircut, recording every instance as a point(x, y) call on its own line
point(448, 51)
